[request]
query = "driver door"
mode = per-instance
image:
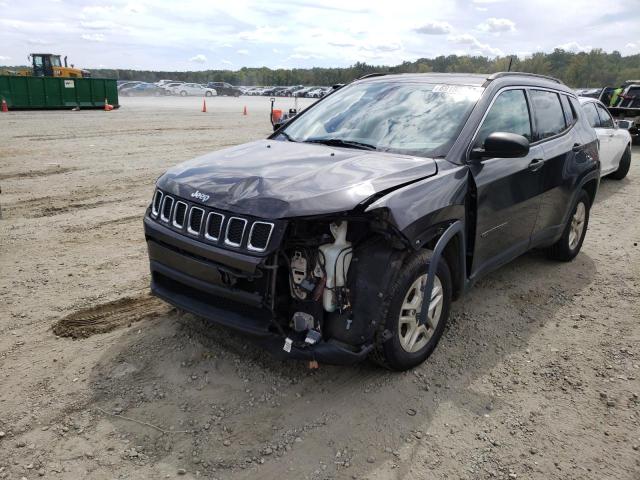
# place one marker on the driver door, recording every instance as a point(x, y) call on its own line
point(508, 190)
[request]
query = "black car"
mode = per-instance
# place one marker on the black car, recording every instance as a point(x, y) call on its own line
point(322, 241)
point(225, 89)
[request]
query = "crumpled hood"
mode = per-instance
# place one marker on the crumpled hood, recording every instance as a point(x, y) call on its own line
point(277, 179)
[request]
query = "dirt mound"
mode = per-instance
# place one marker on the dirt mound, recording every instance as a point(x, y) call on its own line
point(106, 317)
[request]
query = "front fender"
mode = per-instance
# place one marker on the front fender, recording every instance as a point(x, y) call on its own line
point(420, 210)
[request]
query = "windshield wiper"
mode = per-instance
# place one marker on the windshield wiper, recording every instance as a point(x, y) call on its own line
point(338, 142)
point(287, 136)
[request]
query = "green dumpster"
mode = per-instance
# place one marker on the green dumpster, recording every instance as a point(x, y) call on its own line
point(53, 92)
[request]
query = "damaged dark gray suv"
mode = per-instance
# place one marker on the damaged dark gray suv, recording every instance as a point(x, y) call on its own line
point(349, 231)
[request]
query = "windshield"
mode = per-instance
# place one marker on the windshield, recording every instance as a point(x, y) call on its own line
point(410, 118)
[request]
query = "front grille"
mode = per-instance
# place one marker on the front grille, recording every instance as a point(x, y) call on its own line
point(167, 204)
point(179, 213)
point(195, 220)
point(157, 202)
point(259, 236)
point(235, 231)
point(214, 226)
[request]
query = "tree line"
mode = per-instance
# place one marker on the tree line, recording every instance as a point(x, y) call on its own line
point(584, 69)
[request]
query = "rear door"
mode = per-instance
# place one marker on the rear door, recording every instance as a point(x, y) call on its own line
point(554, 119)
point(617, 140)
point(508, 189)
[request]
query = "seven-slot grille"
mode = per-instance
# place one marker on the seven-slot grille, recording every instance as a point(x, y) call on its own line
point(215, 227)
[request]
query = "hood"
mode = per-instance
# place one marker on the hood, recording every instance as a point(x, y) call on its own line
point(277, 179)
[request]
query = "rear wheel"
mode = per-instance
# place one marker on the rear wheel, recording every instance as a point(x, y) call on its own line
point(568, 246)
point(405, 340)
point(623, 166)
point(183, 93)
point(208, 94)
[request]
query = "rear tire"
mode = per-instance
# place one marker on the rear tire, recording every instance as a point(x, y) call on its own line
point(183, 93)
point(623, 166)
point(410, 342)
point(568, 246)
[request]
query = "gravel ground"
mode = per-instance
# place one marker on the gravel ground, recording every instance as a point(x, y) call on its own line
point(537, 376)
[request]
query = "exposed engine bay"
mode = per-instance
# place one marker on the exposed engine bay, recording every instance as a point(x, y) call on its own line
point(321, 285)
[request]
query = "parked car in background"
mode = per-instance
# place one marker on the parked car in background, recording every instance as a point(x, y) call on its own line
point(225, 89)
point(193, 89)
point(615, 142)
point(317, 93)
point(303, 91)
point(350, 230)
point(168, 87)
point(127, 84)
point(142, 90)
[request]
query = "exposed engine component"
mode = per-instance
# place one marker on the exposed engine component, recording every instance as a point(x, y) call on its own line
point(303, 321)
point(335, 259)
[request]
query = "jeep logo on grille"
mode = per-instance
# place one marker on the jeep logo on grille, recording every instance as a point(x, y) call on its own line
point(200, 196)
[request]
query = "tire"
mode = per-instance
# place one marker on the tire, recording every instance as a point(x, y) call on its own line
point(208, 94)
point(394, 351)
point(569, 244)
point(183, 93)
point(623, 166)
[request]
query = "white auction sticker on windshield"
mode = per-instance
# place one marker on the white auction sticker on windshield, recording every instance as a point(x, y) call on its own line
point(466, 91)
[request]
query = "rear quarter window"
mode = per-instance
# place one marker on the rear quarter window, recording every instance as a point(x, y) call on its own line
point(548, 114)
point(570, 115)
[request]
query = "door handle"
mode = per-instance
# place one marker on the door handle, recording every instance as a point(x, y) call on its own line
point(576, 147)
point(536, 164)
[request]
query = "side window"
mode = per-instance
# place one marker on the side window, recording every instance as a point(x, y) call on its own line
point(592, 114)
point(509, 113)
point(605, 119)
point(548, 113)
point(570, 116)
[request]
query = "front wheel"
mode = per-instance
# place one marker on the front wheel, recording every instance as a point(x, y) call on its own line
point(623, 166)
point(183, 93)
point(405, 339)
point(208, 94)
point(569, 244)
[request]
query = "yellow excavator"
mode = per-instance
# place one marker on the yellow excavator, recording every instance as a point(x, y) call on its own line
point(49, 65)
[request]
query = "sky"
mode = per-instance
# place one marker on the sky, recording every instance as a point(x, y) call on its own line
point(229, 34)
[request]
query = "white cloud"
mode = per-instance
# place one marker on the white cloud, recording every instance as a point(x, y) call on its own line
point(632, 45)
point(243, 51)
point(497, 25)
point(4, 58)
point(434, 28)
point(200, 58)
point(98, 25)
point(93, 37)
point(38, 41)
point(477, 46)
point(574, 47)
point(227, 62)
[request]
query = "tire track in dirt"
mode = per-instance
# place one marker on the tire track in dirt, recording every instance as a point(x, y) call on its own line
point(37, 173)
point(109, 316)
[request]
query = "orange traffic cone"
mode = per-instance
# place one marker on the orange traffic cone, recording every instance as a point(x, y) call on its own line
point(107, 107)
point(244, 111)
point(204, 106)
point(5, 108)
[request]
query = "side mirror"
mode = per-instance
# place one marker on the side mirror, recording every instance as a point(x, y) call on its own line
point(502, 145)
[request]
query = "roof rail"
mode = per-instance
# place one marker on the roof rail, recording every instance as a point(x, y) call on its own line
point(509, 74)
point(369, 75)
